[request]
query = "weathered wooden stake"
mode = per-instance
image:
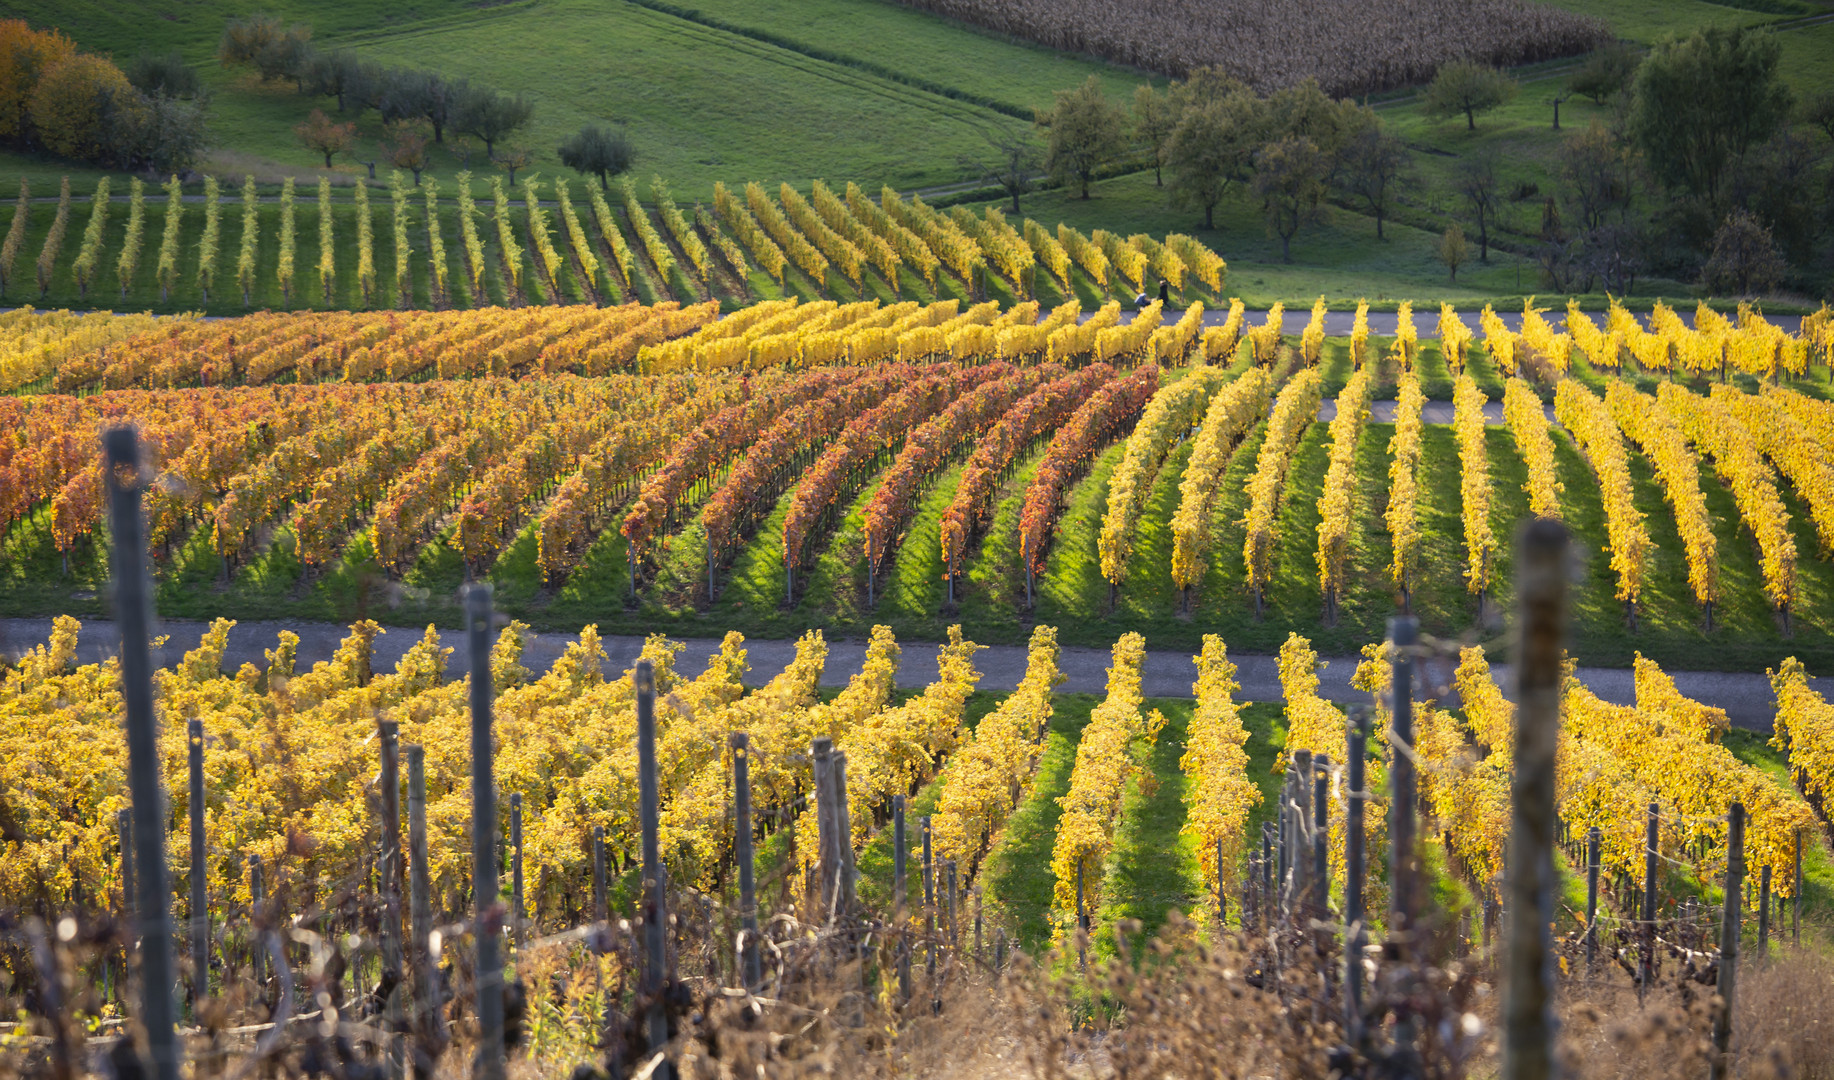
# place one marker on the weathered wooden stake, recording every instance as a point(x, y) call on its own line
point(955, 940)
point(827, 854)
point(1403, 631)
point(420, 898)
point(1651, 838)
point(133, 604)
point(601, 905)
point(929, 900)
point(389, 780)
point(842, 814)
point(1321, 837)
point(124, 830)
point(488, 911)
point(517, 914)
point(1719, 1064)
point(1763, 913)
point(1795, 918)
point(900, 898)
point(1593, 837)
point(257, 895)
point(750, 974)
point(655, 908)
point(1356, 740)
point(200, 871)
point(1528, 1024)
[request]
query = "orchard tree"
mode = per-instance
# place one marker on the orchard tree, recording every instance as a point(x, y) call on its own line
point(1212, 148)
point(409, 146)
point(1290, 179)
point(1745, 258)
point(1606, 73)
point(1155, 118)
point(326, 136)
point(1452, 249)
point(1483, 194)
point(599, 151)
point(515, 156)
point(491, 116)
point(1464, 86)
point(1374, 163)
point(163, 75)
point(79, 102)
point(1084, 132)
point(25, 55)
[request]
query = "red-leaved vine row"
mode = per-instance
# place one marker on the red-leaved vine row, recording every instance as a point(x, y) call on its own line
point(1038, 413)
point(865, 438)
point(932, 445)
point(723, 437)
point(1094, 426)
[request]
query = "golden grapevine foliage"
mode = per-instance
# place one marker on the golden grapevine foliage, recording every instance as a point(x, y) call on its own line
point(1590, 423)
point(1218, 794)
point(1232, 412)
point(1336, 504)
point(1294, 411)
point(1167, 419)
point(1527, 423)
point(1648, 424)
point(1474, 483)
point(1403, 514)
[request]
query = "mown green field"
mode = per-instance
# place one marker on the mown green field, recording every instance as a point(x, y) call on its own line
point(871, 91)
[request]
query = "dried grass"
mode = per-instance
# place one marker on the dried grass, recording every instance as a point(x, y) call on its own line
point(1350, 47)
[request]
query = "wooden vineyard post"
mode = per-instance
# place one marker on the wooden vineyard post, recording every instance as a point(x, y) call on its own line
point(1356, 740)
point(200, 897)
point(601, 911)
point(1593, 837)
point(843, 837)
point(1649, 897)
point(977, 922)
point(821, 767)
point(1528, 1030)
point(655, 910)
point(1402, 633)
point(900, 898)
point(929, 902)
point(516, 914)
point(1299, 856)
point(390, 865)
point(484, 888)
point(1728, 940)
point(257, 902)
point(749, 972)
point(955, 940)
point(1321, 837)
point(420, 905)
point(1795, 918)
point(1763, 913)
point(1222, 896)
point(133, 604)
point(124, 830)
point(1267, 872)
point(1250, 880)
point(1286, 828)
point(1082, 919)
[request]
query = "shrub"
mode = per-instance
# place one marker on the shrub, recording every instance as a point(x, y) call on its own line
point(76, 104)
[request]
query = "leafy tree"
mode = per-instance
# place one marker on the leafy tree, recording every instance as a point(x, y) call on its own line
point(336, 74)
point(1483, 194)
point(424, 95)
point(1308, 112)
point(1010, 164)
point(1595, 171)
point(78, 102)
point(1155, 118)
point(515, 156)
point(25, 55)
point(1452, 249)
point(326, 136)
point(1464, 86)
point(1606, 73)
point(1745, 257)
point(1290, 178)
point(262, 42)
point(598, 151)
point(1083, 133)
point(1211, 148)
point(409, 146)
point(1819, 111)
point(163, 134)
point(490, 115)
point(165, 75)
point(1374, 164)
point(1703, 102)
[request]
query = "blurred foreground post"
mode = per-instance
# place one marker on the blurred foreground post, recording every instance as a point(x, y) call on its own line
point(200, 896)
point(1593, 836)
point(1528, 1027)
point(1730, 912)
point(484, 839)
point(133, 606)
point(655, 908)
point(900, 898)
point(749, 974)
point(1354, 934)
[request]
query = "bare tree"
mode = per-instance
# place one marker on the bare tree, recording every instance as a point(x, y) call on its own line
point(1012, 163)
point(1482, 192)
point(1374, 163)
